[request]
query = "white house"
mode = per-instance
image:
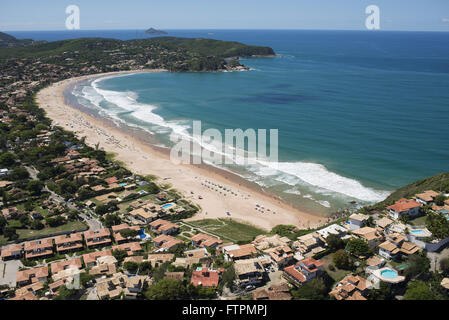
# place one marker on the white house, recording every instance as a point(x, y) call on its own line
point(404, 207)
point(357, 220)
point(4, 172)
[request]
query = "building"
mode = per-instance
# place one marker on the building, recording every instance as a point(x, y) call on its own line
point(38, 249)
point(384, 223)
point(118, 236)
point(205, 277)
point(29, 276)
point(132, 248)
point(404, 207)
point(262, 242)
point(236, 252)
point(351, 288)
point(99, 238)
point(304, 271)
point(427, 197)
point(370, 235)
point(160, 258)
point(249, 272)
point(334, 229)
point(90, 259)
point(14, 251)
point(166, 242)
point(66, 270)
point(311, 243)
point(205, 240)
point(69, 242)
point(357, 220)
point(274, 292)
point(161, 226)
point(145, 215)
point(281, 256)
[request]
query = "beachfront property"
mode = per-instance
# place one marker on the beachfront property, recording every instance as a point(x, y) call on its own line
point(334, 229)
point(427, 197)
point(304, 271)
point(262, 242)
point(69, 242)
point(235, 252)
point(280, 256)
point(403, 207)
point(249, 272)
point(203, 240)
point(165, 242)
point(357, 221)
point(384, 223)
point(161, 226)
point(351, 288)
point(309, 244)
point(99, 238)
point(38, 249)
point(371, 235)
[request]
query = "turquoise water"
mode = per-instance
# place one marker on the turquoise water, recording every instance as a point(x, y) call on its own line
point(389, 274)
point(417, 231)
point(359, 114)
point(165, 206)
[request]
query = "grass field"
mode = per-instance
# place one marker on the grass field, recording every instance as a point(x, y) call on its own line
point(337, 274)
point(2, 240)
point(73, 225)
point(229, 229)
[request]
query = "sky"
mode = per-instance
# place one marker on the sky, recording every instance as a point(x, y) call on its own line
point(404, 15)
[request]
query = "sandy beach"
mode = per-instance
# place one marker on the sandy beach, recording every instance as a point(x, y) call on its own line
point(244, 203)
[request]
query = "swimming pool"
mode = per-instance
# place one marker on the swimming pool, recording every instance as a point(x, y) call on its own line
point(389, 274)
point(143, 235)
point(168, 205)
point(417, 231)
point(123, 184)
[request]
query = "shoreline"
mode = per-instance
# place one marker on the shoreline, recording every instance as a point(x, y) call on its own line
point(136, 154)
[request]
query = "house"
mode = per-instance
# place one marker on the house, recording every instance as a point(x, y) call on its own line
point(117, 235)
point(12, 252)
point(69, 242)
point(279, 291)
point(388, 250)
point(11, 213)
point(5, 184)
point(404, 207)
point(427, 197)
point(352, 288)
point(111, 287)
point(4, 172)
point(131, 248)
point(205, 240)
point(106, 265)
point(28, 276)
point(205, 277)
point(370, 235)
point(281, 256)
point(304, 271)
point(334, 229)
point(357, 220)
point(160, 258)
point(106, 198)
point(174, 275)
point(249, 272)
point(111, 180)
point(309, 243)
point(90, 259)
point(144, 214)
point(135, 285)
point(161, 226)
point(66, 270)
point(38, 248)
point(384, 222)
point(262, 242)
point(197, 253)
point(236, 252)
point(99, 238)
point(165, 242)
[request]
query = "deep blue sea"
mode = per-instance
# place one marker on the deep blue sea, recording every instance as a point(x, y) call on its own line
point(359, 113)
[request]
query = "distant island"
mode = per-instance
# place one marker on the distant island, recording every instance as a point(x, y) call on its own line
point(8, 41)
point(154, 31)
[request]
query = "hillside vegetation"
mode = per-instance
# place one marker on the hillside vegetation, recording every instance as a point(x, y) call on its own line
point(439, 182)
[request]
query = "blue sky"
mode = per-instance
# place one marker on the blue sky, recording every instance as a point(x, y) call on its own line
point(424, 15)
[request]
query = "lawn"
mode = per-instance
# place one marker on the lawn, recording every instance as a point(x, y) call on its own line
point(71, 226)
point(337, 274)
point(229, 229)
point(420, 221)
point(3, 240)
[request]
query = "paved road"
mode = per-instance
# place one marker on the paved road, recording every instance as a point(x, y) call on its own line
point(8, 271)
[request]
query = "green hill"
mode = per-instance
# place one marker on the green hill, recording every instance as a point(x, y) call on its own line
point(439, 182)
point(8, 41)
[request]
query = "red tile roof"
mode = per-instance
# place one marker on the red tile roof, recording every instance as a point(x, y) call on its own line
point(205, 277)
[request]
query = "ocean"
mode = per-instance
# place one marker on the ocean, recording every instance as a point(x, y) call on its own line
point(359, 113)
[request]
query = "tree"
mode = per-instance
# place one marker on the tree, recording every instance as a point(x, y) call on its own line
point(112, 220)
point(129, 233)
point(7, 159)
point(358, 247)
point(131, 266)
point(37, 225)
point(55, 221)
point(85, 278)
point(419, 290)
point(342, 260)
point(315, 289)
point(439, 200)
point(65, 294)
point(120, 255)
point(101, 209)
point(418, 264)
point(166, 289)
point(35, 187)
point(444, 264)
point(19, 174)
point(334, 242)
point(10, 233)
